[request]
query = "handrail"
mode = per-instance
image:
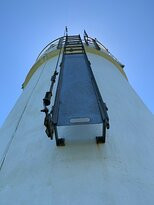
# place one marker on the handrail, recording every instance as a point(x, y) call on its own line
point(47, 47)
point(91, 40)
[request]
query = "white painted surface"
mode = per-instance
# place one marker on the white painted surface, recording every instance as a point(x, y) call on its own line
point(121, 171)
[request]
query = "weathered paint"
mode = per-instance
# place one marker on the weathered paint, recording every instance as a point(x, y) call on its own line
point(121, 171)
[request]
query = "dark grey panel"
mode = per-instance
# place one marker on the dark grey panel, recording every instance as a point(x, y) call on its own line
point(77, 100)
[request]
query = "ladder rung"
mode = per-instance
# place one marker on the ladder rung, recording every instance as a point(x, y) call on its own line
point(73, 49)
point(73, 53)
point(68, 42)
point(73, 39)
point(75, 36)
point(70, 49)
point(73, 42)
point(74, 46)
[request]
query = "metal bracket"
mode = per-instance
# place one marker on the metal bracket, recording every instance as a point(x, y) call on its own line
point(49, 126)
point(59, 141)
point(102, 139)
point(52, 129)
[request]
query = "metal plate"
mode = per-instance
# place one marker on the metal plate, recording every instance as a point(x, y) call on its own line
point(77, 103)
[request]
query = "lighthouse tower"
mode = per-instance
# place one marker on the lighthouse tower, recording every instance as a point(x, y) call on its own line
point(78, 134)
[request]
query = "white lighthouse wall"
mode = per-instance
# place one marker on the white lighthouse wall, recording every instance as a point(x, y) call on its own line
point(12, 122)
point(121, 171)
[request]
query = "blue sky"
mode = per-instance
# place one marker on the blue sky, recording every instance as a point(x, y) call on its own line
point(124, 27)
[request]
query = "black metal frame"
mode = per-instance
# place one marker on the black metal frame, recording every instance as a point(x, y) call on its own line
point(101, 104)
point(72, 45)
point(103, 110)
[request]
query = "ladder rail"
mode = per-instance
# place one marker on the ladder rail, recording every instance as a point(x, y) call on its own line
point(55, 109)
point(102, 105)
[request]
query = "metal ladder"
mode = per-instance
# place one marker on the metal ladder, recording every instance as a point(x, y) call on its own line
point(65, 112)
point(73, 45)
